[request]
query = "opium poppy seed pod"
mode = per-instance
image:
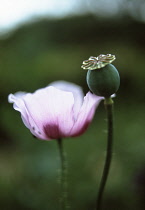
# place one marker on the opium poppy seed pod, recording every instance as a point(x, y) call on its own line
point(102, 77)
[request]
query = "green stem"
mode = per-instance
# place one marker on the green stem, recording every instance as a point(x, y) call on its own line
point(109, 109)
point(63, 175)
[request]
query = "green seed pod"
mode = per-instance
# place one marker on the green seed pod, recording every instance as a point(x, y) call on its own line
point(103, 81)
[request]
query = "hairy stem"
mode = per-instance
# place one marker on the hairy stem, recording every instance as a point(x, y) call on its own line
point(109, 109)
point(63, 176)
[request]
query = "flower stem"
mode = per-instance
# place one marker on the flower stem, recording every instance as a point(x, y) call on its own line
point(108, 102)
point(63, 176)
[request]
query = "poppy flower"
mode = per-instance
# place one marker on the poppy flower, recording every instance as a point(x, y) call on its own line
point(56, 111)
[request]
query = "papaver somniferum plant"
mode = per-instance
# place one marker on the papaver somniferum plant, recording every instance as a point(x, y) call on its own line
point(57, 111)
point(103, 80)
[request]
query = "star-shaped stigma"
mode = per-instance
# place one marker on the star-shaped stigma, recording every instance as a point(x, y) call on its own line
point(98, 62)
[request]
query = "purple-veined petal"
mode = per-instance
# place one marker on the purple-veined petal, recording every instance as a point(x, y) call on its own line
point(86, 113)
point(19, 105)
point(51, 110)
point(56, 111)
point(73, 88)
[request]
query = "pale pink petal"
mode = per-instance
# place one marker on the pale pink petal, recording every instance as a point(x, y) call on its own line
point(19, 105)
point(73, 88)
point(55, 112)
point(69, 87)
point(51, 110)
point(86, 114)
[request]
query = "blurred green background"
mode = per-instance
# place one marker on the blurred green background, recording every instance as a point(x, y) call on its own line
point(45, 50)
